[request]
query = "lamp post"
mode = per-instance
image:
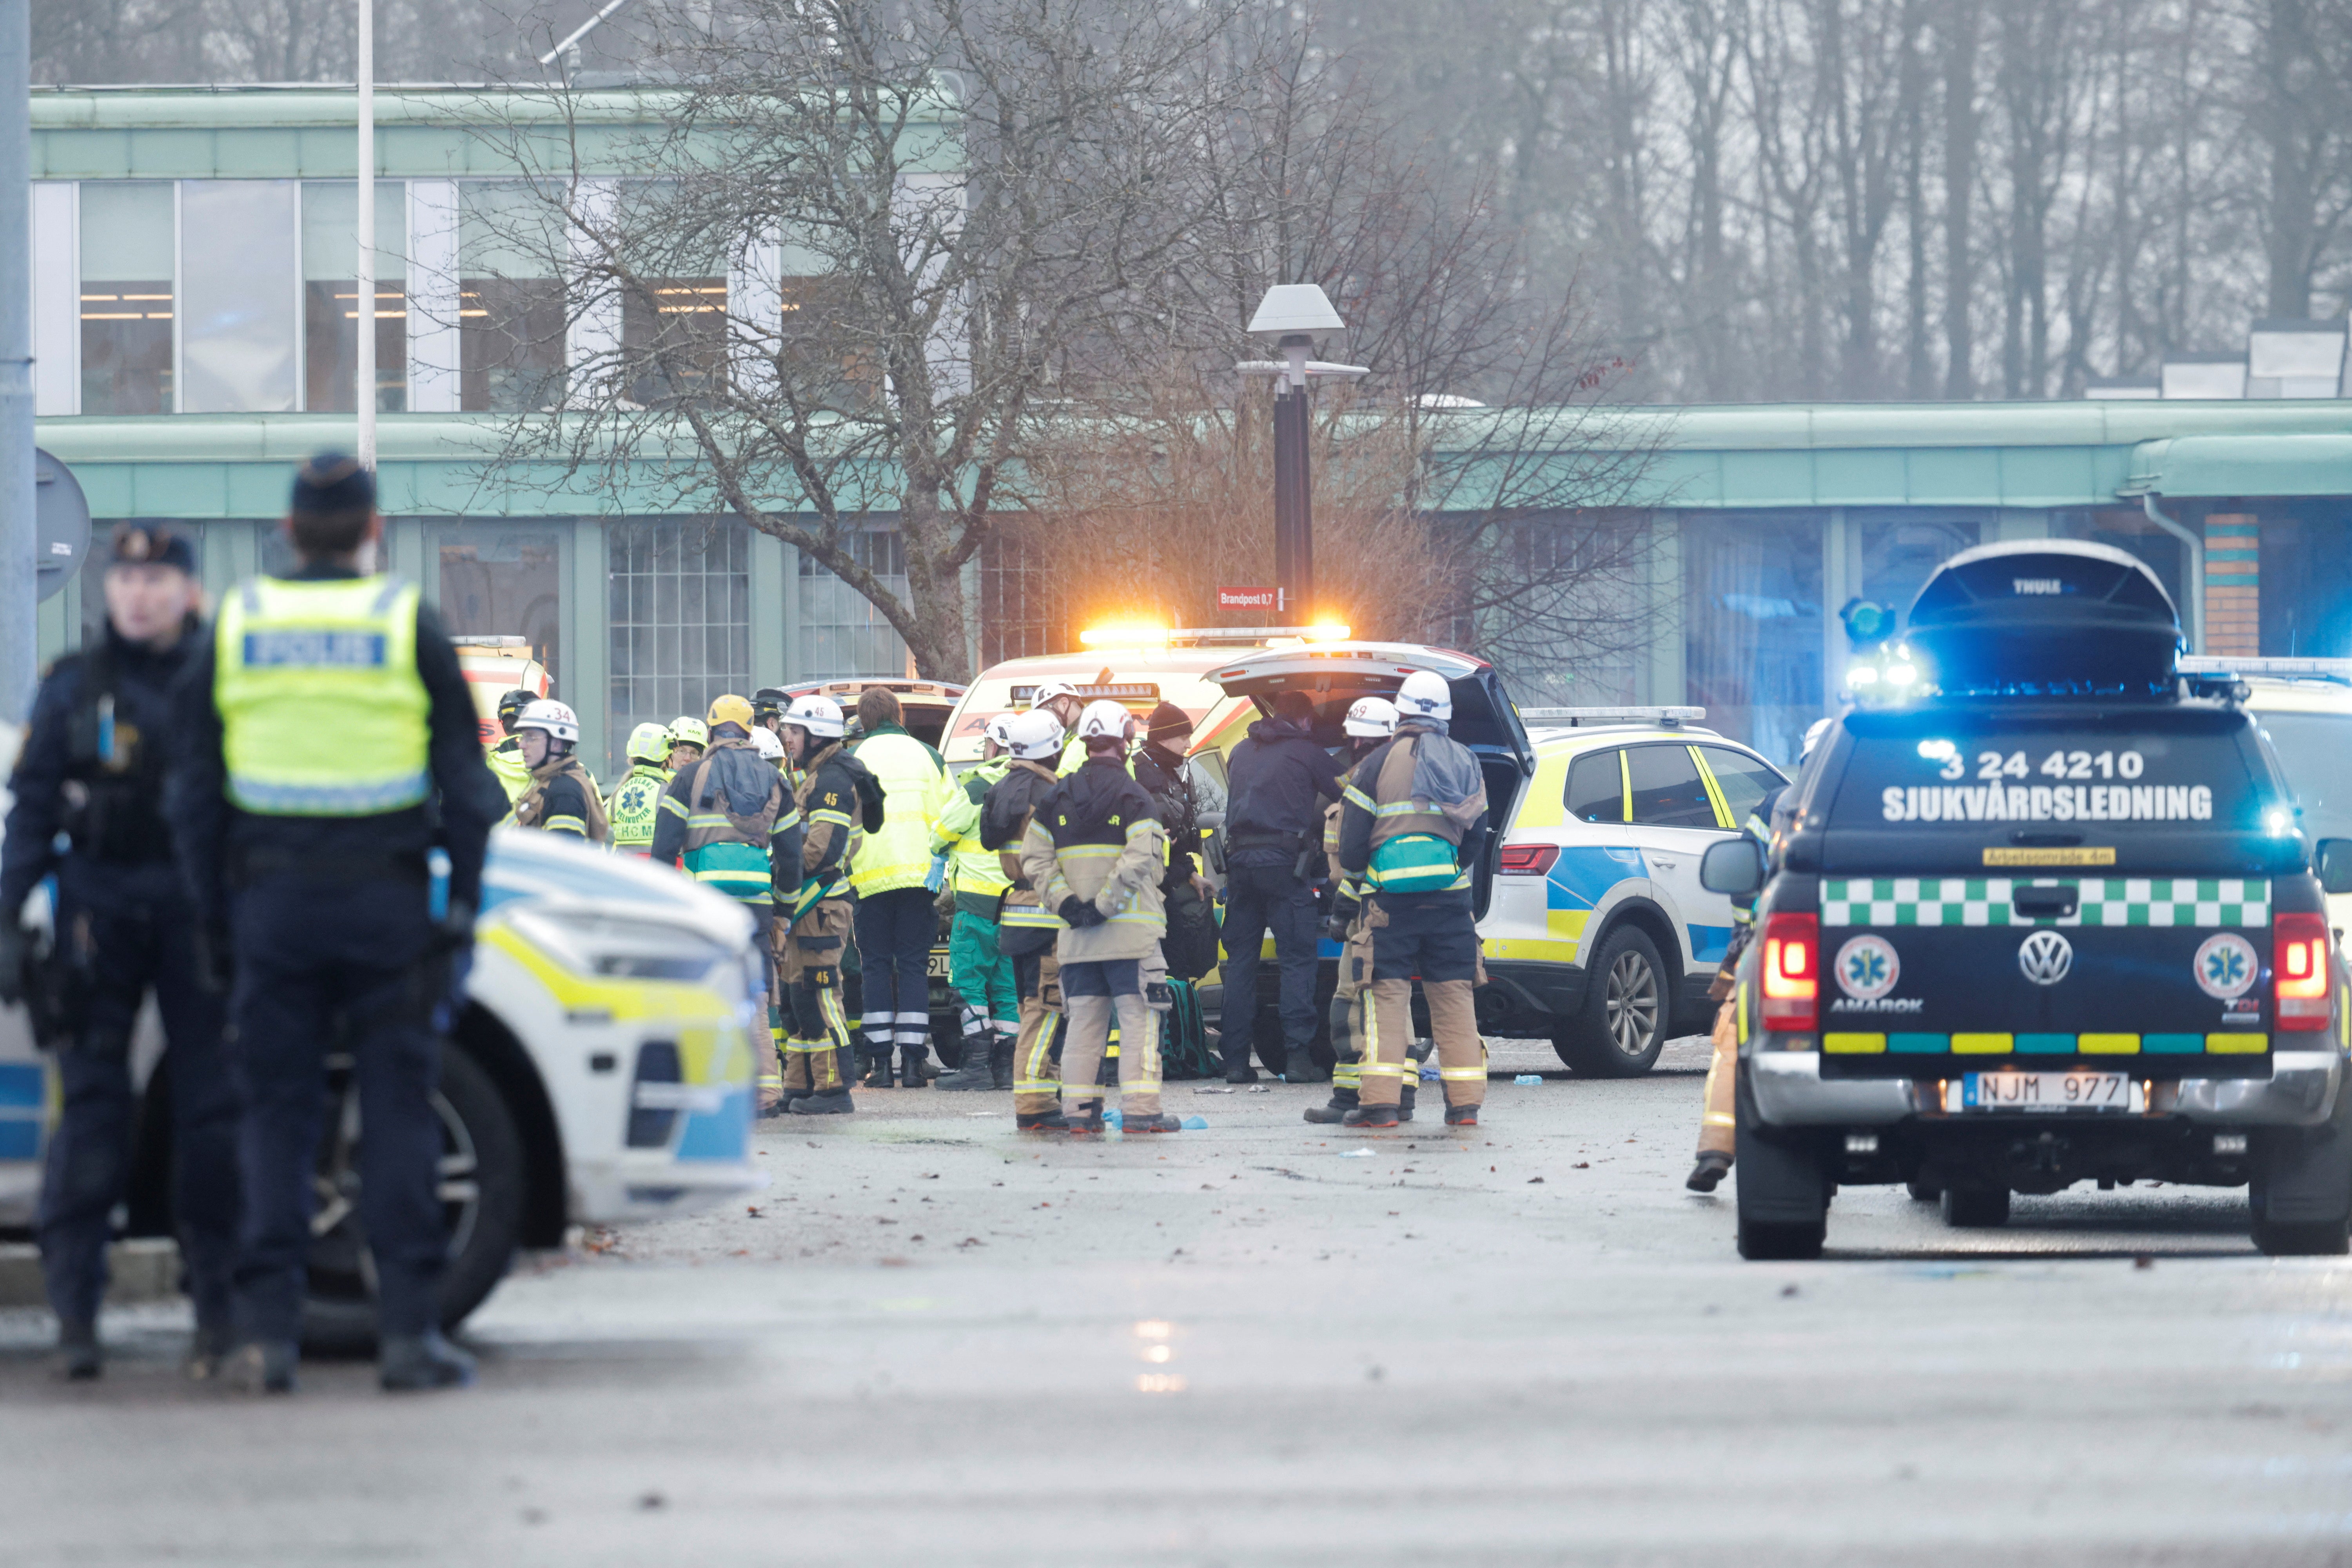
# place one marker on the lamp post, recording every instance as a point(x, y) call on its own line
point(364, 317)
point(1292, 313)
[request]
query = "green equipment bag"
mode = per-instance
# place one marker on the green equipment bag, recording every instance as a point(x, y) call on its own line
point(1414, 863)
point(1184, 1050)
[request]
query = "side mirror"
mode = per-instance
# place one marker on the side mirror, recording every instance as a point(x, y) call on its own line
point(2334, 862)
point(1735, 866)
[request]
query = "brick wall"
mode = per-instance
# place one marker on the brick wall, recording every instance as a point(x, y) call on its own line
point(2233, 591)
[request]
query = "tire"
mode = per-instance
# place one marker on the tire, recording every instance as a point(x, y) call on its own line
point(483, 1195)
point(1923, 1192)
point(2303, 1238)
point(1627, 1011)
point(1976, 1208)
point(1780, 1187)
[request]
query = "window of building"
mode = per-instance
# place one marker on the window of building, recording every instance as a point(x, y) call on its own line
point(1596, 788)
point(330, 296)
point(1024, 597)
point(1753, 625)
point(679, 613)
point(841, 631)
point(506, 582)
point(674, 340)
point(128, 267)
point(1666, 788)
point(1900, 552)
point(510, 304)
point(238, 300)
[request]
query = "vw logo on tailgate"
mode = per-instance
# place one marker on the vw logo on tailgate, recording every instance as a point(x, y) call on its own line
point(2045, 957)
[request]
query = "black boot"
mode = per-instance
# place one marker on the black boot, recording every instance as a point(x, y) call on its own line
point(1085, 1119)
point(1000, 1062)
point(1159, 1121)
point(77, 1357)
point(1041, 1121)
point(911, 1059)
point(1405, 1101)
point(971, 1069)
point(1343, 1100)
point(1236, 1052)
point(208, 1353)
point(262, 1366)
point(1709, 1173)
point(1299, 1068)
point(831, 1102)
point(877, 1068)
point(410, 1363)
point(1462, 1116)
point(1370, 1116)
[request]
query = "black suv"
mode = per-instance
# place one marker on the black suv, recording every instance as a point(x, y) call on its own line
point(2051, 922)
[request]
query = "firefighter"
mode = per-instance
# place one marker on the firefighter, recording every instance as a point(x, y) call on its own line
point(1412, 823)
point(90, 778)
point(727, 822)
point(1095, 850)
point(836, 798)
point(1024, 928)
point(563, 796)
point(506, 758)
point(980, 973)
point(635, 803)
point(1370, 721)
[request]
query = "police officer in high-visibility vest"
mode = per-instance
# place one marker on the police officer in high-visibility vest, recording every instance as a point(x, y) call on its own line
point(324, 731)
point(977, 968)
point(1412, 823)
point(636, 801)
point(1025, 929)
point(729, 824)
point(563, 797)
point(506, 757)
point(1370, 721)
point(87, 811)
point(834, 789)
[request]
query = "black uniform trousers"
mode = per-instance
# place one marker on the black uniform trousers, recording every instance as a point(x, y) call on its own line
point(1259, 898)
point(896, 933)
point(311, 953)
point(126, 937)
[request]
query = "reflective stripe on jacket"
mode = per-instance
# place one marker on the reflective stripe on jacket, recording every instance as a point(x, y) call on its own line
point(974, 870)
point(322, 711)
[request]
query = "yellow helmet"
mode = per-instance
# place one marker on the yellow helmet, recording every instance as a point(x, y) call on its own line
point(732, 710)
point(685, 731)
point(649, 742)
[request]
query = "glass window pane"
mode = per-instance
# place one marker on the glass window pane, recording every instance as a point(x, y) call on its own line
point(126, 272)
point(1753, 625)
point(1666, 788)
point(1596, 791)
point(239, 293)
point(1898, 554)
point(679, 658)
point(841, 633)
point(1743, 780)
point(330, 296)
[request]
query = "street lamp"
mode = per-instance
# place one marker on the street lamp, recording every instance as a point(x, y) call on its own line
point(1292, 313)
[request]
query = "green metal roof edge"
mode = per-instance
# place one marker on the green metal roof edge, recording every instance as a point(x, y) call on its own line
point(294, 106)
point(2317, 464)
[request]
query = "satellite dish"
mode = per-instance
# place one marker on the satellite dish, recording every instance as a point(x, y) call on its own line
point(60, 523)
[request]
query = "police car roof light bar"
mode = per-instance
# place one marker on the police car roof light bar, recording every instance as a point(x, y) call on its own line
point(2338, 670)
point(1668, 717)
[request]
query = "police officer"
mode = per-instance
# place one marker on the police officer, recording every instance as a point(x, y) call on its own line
point(506, 758)
point(1277, 780)
point(563, 796)
point(1095, 851)
point(92, 770)
point(729, 823)
point(1025, 929)
point(636, 801)
point(978, 970)
point(322, 731)
point(1191, 944)
point(896, 879)
point(1370, 721)
point(1412, 823)
point(834, 789)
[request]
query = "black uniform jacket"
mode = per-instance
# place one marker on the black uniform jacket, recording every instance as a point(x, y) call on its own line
point(1278, 779)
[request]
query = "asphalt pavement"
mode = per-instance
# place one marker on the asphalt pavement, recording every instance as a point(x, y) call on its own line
point(935, 1341)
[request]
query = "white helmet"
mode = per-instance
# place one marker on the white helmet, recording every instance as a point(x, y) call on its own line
point(1035, 736)
point(1371, 716)
point(558, 719)
point(818, 715)
point(765, 741)
point(1425, 695)
point(1053, 691)
point(1000, 730)
point(1105, 721)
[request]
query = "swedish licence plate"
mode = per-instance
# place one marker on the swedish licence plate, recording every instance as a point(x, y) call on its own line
point(2043, 1091)
point(938, 967)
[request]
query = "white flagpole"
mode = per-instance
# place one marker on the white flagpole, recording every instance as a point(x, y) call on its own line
point(365, 317)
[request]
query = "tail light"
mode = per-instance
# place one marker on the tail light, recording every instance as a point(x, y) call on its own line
point(1529, 859)
point(2301, 970)
point(1792, 966)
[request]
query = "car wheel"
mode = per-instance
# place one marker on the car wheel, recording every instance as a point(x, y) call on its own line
point(1923, 1192)
point(2302, 1238)
point(1779, 1186)
point(1621, 1026)
point(1976, 1208)
point(482, 1191)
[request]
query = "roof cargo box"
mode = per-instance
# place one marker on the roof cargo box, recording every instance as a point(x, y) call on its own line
point(2046, 618)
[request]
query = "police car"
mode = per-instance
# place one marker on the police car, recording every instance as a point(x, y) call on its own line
point(601, 1072)
point(1595, 932)
point(2053, 921)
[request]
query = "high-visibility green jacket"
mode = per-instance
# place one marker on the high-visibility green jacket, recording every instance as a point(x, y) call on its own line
point(322, 711)
point(916, 787)
point(508, 768)
point(635, 807)
point(976, 874)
